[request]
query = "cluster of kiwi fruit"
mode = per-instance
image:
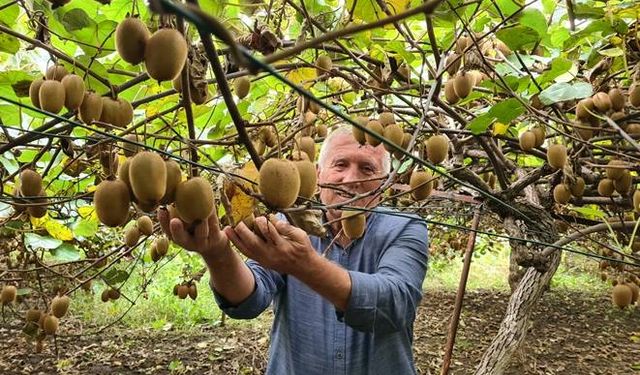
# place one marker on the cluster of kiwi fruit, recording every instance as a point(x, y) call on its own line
point(142, 227)
point(48, 322)
point(308, 112)
point(281, 181)
point(110, 294)
point(164, 52)
point(159, 248)
point(385, 125)
point(610, 103)
point(461, 85)
point(618, 179)
point(30, 185)
point(186, 289)
point(625, 294)
point(533, 138)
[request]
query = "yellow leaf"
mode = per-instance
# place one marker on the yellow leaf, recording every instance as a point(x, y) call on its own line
point(87, 211)
point(57, 230)
point(242, 205)
point(499, 128)
point(39, 222)
point(397, 6)
point(303, 76)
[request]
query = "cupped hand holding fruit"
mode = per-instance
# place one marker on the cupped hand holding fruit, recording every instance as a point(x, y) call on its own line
point(204, 238)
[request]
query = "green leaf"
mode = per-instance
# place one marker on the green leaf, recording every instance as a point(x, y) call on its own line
point(589, 212)
point(507, 7)
point(612, 52)
point(559, 92)
point(558, 35)
point(507, 110)
point(66, 253)
point(481, 123)
point(114, 276)
point(9, 162)
point(581, 11)
point(76, 19)
point(8, 43)
point(518, 36)
point(85, 228)
point(559, 66)
point(535, 20)
point(35, 241)
point(9, 16)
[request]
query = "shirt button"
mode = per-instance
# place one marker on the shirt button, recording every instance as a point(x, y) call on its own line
point(339, 355)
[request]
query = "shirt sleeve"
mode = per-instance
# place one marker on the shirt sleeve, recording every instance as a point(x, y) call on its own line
point(386, 301)
point(268, 283)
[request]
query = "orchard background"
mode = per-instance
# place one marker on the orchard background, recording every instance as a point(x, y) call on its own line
point(514, 131)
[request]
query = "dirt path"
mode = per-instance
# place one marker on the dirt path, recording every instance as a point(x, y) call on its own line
point(571, 334)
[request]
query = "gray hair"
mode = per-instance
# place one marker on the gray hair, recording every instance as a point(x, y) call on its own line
point(346, 129)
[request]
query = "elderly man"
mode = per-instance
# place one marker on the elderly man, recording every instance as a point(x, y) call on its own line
point(341, 307)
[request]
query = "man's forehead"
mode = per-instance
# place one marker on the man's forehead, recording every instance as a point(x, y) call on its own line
point(345, 143)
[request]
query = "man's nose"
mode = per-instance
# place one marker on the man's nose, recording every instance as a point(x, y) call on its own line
point(351, 176)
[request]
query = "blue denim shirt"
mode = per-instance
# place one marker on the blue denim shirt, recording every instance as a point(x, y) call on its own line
point(374, 335)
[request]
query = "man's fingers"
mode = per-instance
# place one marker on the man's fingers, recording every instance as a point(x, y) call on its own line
point(233, 236)
point(180, 235)
point(202, 230)
point(163, 218)
point(267, 229)
point(287, 230)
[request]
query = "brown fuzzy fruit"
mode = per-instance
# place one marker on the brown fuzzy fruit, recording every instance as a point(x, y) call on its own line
point(623, 184)
point(452, 64)
point(40, 210)
point(128, 148)
point(111, 200)
point(162, 245)
point(386, 118)
point(131, 40)
point(353, 224)
point(50, 325)
point(33, 315)
point(110, 109)
point(60, 306)
point(635, 292)
point(618, 100)
point(34, 92)
point(577, 188)
point(165, 54)
point(91, 107)
point(557, 155)
point(615, 169)
point(148, 177)
point(321, 130)
point(561, 193)
point(124, 113)
point(145, 225)
point(51, 96)
point(105, 295)
point(583, 107)
point(421, 184)
point(30, 183)
point(450, 93)
point(241, 86)
point(636, 201)
point(114, 294)
point(56, 72)
point(634, 95)
point(358, 133)
point(394, 134)
point(153, 253)
point(132, 236)
point(376, 127)
point(463, 84)
point(527, 140)
point(605, 187)
point(602, 102)
point(73, 91)
point(308, 146)
point(8, 294)
point(279, 183)
point(183, 291)
point(437, 148)
point(308, 178)
point(174, 177)
point(622, 295)
point(540, 135)
point(267, 136)
point(323, 64)
point(193, 291)
point(194, 199)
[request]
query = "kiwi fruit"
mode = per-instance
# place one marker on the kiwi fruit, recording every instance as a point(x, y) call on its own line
point(34, 91)
point(477, 75)
point(175, 289)
point(267, 136)
point(91, 107)
point(308, 146)
point(404, 72)
point(109, 162)
point(193, 291)
point(323, 64)
point(165, 54)
point(241, 86)
point(145, 225)
point(527, 140)
point(635, 292)
point(183, 291)
point(386, 118)
point(194, 199)
point(60, 306)
point(30, 183)
point(73, 91)
point(634, 95)
point(313, 107)
point(309, 118)
point(618, 101)
point(174, 177)
point(602, 102)
point(636, 201)
point(584, 131)
point(394, 134)
point(56, 72)
point(50, 324)
point(131, 236)
point(321, 130)
point(633, 129)
point(33, 315)
point(148, 177)
point(110, 109)
point(279, 183)
point(358, 133)
point(105, 295)
point(437, 148)
point(452, 64)
point(111, 200)
point(376, 127)
point(577, 188)
point(615, 169)
point(162, 245)
point(124, 114)
point(540, 135)
point(450, 93)
point(51, 96)
point(308, 178)
point(40, 210)
point(123, 175)
point(605, 187)
point(128, 148)
point(353, 224)
point(561, 193)
point(622, 295)
point(623, 184)
point(153, 253)
point(502, 47)
point(462, 43)
point(583, 107)
point(114, 294)
point(8, 294)
point(557, 155)
point(421, 184)
point(131, 40)
point(259, 146)
point(463, 84)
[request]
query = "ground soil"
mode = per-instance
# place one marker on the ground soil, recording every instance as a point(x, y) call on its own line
point(571, 333)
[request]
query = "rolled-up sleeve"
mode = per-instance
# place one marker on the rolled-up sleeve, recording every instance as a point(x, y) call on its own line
point(386, 301)
point(268, 283)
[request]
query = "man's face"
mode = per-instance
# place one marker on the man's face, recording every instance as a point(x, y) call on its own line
point(347, 164)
